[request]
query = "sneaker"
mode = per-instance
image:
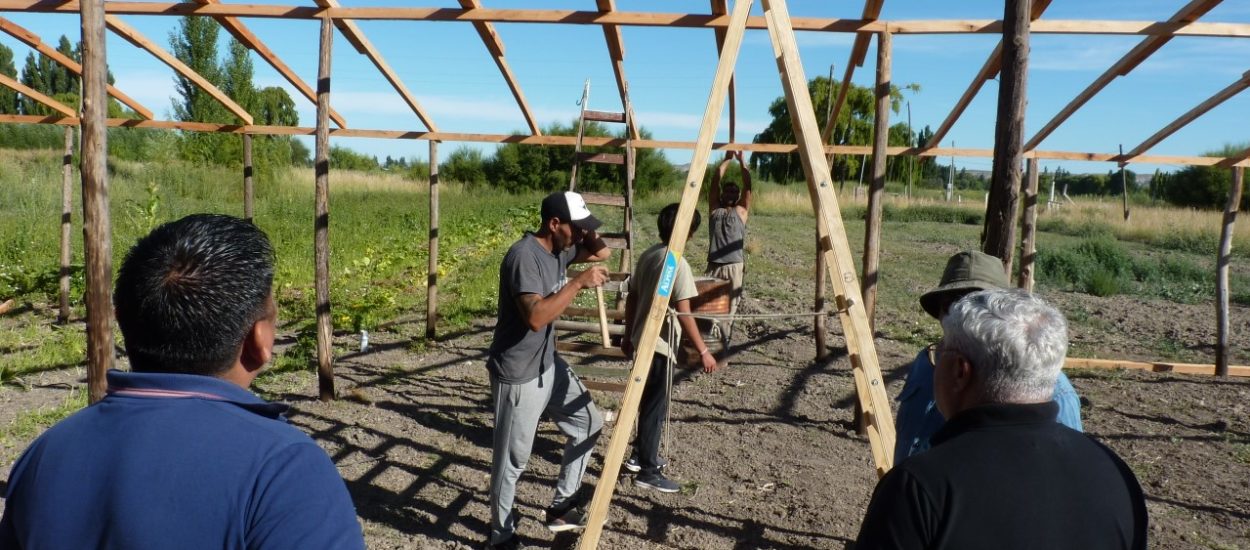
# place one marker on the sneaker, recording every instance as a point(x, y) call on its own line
point(568, 519)
point(634, 466)
point(513, 543)
point(657, 482)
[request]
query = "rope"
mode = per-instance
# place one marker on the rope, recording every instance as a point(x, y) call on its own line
point(737, 316)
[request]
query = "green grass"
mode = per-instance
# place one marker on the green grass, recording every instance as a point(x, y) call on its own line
point(28, 424)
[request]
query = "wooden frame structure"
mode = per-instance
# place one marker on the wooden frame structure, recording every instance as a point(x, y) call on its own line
point(854, 303)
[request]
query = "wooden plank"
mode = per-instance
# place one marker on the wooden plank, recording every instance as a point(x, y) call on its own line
point(495, 45)
point(1028, 251)
point(1221, 272)
point(614, 387)
point(321, 220)
point(590, 349)
point(603, 158)
point(10, 82)
point(245, 36)
point(357, 38)
point(876, 191)
point(613, 314)
point(870, 387)
point(598, 510)
point(29, 38)
point(1183, 120)
point(616, 52)
point(97, 226)
point(431, 270)
point(604, 199)
point(636, 19)
point(998, 238)
point(604, 116)
point(988, 70)
point(616, 244)
point(1156, 366)
point(67, 222)
point(133, 36)
point(590, 328)
point(1190, 12)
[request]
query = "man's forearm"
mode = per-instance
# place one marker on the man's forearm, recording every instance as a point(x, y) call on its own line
point(544, 311)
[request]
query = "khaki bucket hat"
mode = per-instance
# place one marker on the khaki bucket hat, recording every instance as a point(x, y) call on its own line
point(966, 272)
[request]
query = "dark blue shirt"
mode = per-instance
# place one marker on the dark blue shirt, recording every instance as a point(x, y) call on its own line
point(177, 461)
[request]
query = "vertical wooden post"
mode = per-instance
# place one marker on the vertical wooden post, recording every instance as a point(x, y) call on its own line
point(248, 190)
point(67, 221)
point(96, 226)
point(1029, 251)
point(876, 193)
point(431, 280)
point(1221, 272)
point(1124, 183)
point(822, 271)
point(321, 224)
point(999, 236)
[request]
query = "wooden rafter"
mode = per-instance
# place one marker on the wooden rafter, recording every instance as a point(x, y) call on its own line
point(1211, 102)
point(720, 7)
point(616, 50)
point(1189, 13)
point(859, 50)
point(356, 37)
point(495, 45)
point(245, 36)
point(988, 71)
point(133, 36)
point(8, 81)
point(30, 39)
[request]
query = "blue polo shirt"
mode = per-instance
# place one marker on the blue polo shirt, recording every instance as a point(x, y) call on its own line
point(177, 461)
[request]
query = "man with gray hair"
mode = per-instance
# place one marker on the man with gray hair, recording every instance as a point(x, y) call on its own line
point(1002, 473)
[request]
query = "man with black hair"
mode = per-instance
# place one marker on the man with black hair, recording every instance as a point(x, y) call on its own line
point(655, 394)
point(179, 454)
point(729, 206)
point(527, 377)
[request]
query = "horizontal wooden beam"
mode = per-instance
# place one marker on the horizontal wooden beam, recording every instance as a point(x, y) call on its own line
point(1183, 120)
point(245, 36)
point(1241, 159)
point(30, 39)
point(1153, 366)
point(10, 82)
point(133, 36)
point(494, 45)
point(639, 19)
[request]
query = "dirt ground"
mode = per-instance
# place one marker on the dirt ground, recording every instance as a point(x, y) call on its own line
point(765, 450)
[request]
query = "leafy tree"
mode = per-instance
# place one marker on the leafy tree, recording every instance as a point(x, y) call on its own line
point(853, 126)
point(518, 167)
point(342, 158)
point(1203, 186)
point(8, 97)
point(464, 165)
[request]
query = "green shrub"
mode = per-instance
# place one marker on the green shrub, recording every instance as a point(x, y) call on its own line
point(1103, 283)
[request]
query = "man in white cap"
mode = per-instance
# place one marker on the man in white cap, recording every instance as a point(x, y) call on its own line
point(527, 377)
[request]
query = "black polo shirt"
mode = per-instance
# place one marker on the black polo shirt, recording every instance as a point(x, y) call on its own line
point(1007, 476)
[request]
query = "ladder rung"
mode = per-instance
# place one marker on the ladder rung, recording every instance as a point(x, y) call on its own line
point(604, 116)
point(604, 199)
point(615, 243)
point(583, 326)
point(612, 275)
point(614, 387)
point(591, 349)
point(613, 314)
point(603, 158)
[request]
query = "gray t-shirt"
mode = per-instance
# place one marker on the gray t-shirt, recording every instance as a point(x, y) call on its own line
point(518, 354)
point(728, 234)
point(642, 284)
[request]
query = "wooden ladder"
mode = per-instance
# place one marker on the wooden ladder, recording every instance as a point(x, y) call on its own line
point(622, 240)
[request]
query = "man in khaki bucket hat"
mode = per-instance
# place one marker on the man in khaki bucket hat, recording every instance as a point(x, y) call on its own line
point(918, 417)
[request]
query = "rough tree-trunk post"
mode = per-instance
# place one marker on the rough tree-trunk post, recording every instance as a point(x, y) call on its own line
point(822, 271)
point(248, 189)
point(96, 227)
point(1124, 183)
point(1221, 270)
point(67, 221)
point(325, 328)
point(876, 193)
point(999, 236)
point(1028, 251)
point(431, 285)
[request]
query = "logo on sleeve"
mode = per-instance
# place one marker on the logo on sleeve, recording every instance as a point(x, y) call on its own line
point(668, 275)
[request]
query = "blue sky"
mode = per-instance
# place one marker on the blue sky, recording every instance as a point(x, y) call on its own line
point(450, 72)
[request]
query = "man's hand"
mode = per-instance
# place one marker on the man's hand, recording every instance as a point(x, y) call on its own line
point(593, 277)
point(709, 361)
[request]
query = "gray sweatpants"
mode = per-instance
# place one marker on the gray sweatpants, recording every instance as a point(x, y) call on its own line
point(518, 408)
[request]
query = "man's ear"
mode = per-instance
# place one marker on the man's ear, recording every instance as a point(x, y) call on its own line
point(964, 374)
point(258, 345)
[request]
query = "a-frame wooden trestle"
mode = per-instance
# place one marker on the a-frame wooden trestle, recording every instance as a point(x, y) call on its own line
point(835, 248)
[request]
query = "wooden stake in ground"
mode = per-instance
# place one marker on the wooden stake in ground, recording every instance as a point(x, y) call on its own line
point(1029, 250)
point(97, 228)
point(999, 235)
point(1124, 182)
point(861, 349)
point(67, 221)
point(818, 326)
point(1221, 267)
point(876, 193)
point(598, 511)
point(248, 189)
point(431, 280)
point(321, 224)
